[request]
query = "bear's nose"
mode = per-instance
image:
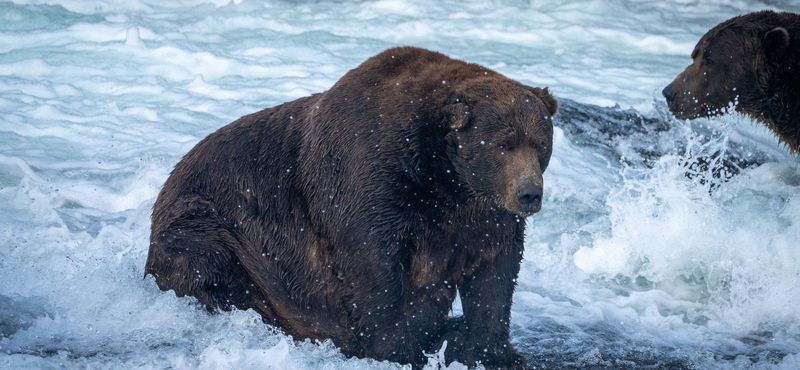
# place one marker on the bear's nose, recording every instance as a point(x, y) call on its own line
point(530, 195)
point(669, 93)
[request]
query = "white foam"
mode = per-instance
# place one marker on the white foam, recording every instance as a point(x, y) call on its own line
point(132, 39)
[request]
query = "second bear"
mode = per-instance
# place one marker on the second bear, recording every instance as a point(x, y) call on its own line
point(752, 61)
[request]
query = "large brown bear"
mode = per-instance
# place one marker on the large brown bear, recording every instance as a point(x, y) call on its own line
point(357, 214)
point(752, 61)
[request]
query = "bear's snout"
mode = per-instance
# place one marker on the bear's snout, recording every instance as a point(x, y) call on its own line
point(669, 93)
point(530, 195)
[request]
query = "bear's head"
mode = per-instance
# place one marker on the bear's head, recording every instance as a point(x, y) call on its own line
point(500, 141)
point(732, 63)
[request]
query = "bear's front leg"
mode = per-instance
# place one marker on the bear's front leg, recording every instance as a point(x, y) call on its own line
point(482, 334)
point(392, 317)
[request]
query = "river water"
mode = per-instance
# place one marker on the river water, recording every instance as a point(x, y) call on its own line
point(661, 243)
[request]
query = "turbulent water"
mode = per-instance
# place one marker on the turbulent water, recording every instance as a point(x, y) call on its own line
point(661, 243)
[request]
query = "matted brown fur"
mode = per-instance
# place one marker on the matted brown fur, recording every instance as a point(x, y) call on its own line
point(752, 61)
point(358, 214)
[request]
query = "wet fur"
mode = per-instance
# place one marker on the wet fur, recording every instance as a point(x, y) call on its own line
point(357, 214)
point(758, 54)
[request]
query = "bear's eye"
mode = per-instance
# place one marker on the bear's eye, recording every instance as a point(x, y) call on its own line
point(505, 142)
point(505, 145)
point(708, 62)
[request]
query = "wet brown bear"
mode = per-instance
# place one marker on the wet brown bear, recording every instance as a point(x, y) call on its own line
point(357, 214)
point(753, 61)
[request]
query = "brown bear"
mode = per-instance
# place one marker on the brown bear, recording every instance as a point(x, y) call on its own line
point(752, 61)
point(358, 214)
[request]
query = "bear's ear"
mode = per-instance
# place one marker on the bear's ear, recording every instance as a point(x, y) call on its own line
point(456, 112)
point(776, 41)
point(550, 103)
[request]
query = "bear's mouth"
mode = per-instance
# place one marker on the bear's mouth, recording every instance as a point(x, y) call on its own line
point(522, 210)
point(709, 111)
point(682, 111)
point(514, 207)
point(530, 211)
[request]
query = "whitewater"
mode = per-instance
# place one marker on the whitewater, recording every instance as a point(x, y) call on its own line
point(661, 244)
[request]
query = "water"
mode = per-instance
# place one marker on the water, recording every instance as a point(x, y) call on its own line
point(661, 244)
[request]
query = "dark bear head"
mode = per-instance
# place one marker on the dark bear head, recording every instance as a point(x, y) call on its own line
point(500, 142)
point(733, 63)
